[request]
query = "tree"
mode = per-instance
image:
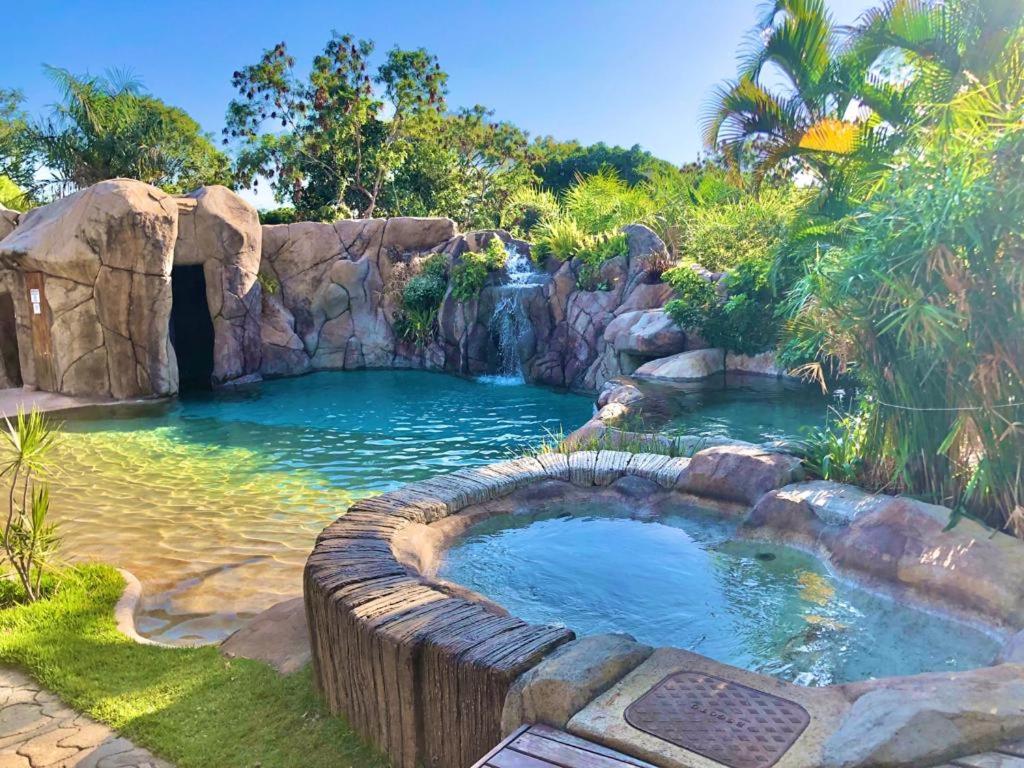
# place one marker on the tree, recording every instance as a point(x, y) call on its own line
point(15, 162)
point(559, 163)
point(334, 143)
point(107, 127)
point(806, 118)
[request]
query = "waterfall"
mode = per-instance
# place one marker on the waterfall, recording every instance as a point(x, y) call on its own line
point(510, 323)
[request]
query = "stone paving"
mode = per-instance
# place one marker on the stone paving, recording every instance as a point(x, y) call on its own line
point(38, 731)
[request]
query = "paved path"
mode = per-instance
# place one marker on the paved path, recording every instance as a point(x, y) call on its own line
point(38, 731)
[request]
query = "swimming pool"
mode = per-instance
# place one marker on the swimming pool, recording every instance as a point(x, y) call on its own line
point(214, 501)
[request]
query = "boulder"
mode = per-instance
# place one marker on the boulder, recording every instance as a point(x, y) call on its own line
point(762, 364)
point(569, 679)
point(646, 333)
point(413, 234)
point(685, 366)
point(221, 231)
point(741, 473)
point(928, 719)
point(278, 636)
point(105, 255)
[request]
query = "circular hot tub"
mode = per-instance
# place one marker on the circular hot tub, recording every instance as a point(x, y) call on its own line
point(445, 613)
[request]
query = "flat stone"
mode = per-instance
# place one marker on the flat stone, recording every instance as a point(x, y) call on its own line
point(686, 366)
point(604, 718)
point(834, 503)
point(740, 473)
point(568, 679)
point(928, 719)
point(277, 636)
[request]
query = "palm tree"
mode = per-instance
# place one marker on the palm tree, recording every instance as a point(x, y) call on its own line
point(806, 117)
point(946, 45)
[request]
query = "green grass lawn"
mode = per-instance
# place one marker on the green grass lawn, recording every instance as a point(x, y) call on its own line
point(190, 706)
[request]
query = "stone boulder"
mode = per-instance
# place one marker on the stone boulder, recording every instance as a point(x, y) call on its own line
point(104, 255)
point(762, 364)
point(8, 221)
point(685, 366)
point(740, 473)
point(283, 353)
point(569, 679)
point(645, 333)
point(278, 636)
point(221, 231)
point(928, 719)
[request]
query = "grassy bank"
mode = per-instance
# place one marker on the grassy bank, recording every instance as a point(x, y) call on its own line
point(189, 706)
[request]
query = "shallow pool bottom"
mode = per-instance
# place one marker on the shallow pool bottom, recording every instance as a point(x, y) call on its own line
point(214, 501)
point(684, 580)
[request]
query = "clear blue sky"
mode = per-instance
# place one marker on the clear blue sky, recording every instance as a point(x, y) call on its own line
point(628, 72)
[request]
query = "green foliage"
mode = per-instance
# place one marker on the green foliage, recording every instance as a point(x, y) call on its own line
point(526, 209)
point(28, 539)
point(416, 321)
point(561, 238)
point(16, 167)
point(283, 215)
point(836, 451)
point(325, 140)
point(106, 127)
point(604, 202)
point(190, 706)
point(597, 251)
point(722, 234)
point(744, 321)
point(923, 300)
point(268, 283)
point(469, 274)
point(560, 164)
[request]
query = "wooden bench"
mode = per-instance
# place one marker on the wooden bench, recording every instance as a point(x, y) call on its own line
point(538, 746)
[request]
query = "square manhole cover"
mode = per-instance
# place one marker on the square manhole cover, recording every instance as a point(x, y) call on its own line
point(721, 720)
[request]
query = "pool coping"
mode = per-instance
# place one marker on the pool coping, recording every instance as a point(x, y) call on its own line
point(425, 670)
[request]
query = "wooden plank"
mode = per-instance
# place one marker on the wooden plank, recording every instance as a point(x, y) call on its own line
point(501, 745)
point(509, 758)
point(554, 734)
point(990, 760)
point(562, 754)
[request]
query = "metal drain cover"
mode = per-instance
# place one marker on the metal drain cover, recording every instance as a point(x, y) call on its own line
point(727, 722)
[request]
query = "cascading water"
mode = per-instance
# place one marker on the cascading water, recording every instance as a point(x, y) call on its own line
point(510, 322)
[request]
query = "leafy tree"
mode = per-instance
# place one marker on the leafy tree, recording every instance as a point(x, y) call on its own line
point(329, 143)
point(803, 120)
point(106, 127)
point(560, 163)
point(15, 163)
point(464, 165)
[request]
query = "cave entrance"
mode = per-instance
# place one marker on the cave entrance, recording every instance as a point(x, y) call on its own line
point(191, 329)
point(10, 363)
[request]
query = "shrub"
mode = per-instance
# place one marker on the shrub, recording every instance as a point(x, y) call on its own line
point(421, 297)
point(604, 202)
point(745, 321)
point(424, 291)
point(720, 235)
point(600, 249)
point(28, 538)
point(526, 208)
point(268, 283)
point(561, 238)
point(469, 275)
point(284, 215)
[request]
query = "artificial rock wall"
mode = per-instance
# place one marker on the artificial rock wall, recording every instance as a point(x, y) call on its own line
point(89, 277)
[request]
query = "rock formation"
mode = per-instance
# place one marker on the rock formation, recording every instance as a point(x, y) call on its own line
point(90, 278)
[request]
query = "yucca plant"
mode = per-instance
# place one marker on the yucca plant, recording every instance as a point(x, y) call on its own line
point(29, 540)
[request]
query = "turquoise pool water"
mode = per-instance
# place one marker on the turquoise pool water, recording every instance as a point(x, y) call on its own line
point(214, 501)
point(752, 408)
point(685, 581)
